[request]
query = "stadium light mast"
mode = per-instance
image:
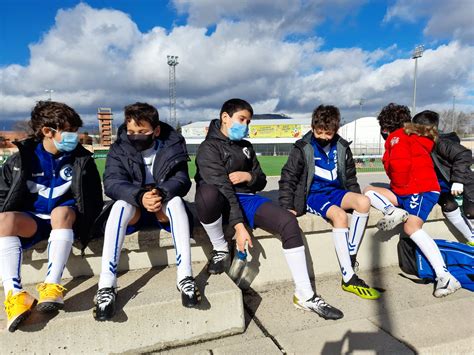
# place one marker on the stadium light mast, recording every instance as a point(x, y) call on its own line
point(172, 63)
point(417, 53)
point(50, 91)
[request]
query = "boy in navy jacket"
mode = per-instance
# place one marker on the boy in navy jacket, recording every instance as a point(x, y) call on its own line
point(146, 176)
point(320, 177)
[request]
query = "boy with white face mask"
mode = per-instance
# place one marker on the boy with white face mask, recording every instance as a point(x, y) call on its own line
point(228, 178)
point(51, 190)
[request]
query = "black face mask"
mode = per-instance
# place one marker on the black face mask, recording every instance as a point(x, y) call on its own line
point(141, 142)
point(322, 142)
point(384, 135)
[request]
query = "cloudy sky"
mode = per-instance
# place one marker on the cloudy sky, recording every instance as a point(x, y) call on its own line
point(284, 56)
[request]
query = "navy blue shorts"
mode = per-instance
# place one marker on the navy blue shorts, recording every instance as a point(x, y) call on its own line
point(319, 203)
point(43, 230)
point(147, 220)
point(249, 203)
point(419, 205)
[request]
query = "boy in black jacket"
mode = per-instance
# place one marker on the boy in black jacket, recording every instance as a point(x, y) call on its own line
point(453, 163)
point(320, 177)
point(228, 177)
point(51, 190)
point(146, 174)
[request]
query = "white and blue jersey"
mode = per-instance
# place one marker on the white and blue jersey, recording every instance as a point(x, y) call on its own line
point(49, 182)
point(325, 168)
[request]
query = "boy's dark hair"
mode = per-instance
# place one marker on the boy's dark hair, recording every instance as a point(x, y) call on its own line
point(140, 111)
point(393, 117)
point(427, 118)
point(234, 105)
point(55, 115)
point(326, 117)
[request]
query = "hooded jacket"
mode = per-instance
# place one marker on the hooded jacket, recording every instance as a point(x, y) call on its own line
point(407, 160)
point(298, 172)
point(453, 161)
point(217, 157)
point(124, 175)
point(20, 170)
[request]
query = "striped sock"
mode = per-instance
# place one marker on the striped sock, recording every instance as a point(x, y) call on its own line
point(11, 255)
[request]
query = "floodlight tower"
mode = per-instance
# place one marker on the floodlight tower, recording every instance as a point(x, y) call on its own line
point(417, 53)
point(172, 62)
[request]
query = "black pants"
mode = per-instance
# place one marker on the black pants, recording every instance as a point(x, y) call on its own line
point(211, 204)
point(449, 204)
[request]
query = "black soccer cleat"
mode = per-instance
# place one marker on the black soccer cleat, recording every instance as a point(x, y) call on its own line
point(317, 305)
point(190, 296)
point(220, 262)
point(105, 304)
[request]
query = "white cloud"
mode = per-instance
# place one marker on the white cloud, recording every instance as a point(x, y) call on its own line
point(98, 58)
point(446, 19)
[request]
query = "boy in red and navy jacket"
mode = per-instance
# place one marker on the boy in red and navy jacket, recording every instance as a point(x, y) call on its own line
point(414, 187)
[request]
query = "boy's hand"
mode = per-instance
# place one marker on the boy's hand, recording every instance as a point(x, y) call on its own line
point(457, 189)
point(242, 236)
point(151, 200)
point(293, 211)
point(238, 177)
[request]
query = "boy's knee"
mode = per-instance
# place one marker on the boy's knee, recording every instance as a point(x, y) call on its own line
point(338, 216)
point(412, 225)
point(119, 204)
point(363, 204)
point(7, 221)
point(367, 189)
point(175, 202)
point(64, 213)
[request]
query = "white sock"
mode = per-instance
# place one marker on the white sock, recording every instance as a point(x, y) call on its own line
point(11, 255)
point(176, 213)
point(356, 231)
point(380, 202)
point(115, 229)
point(339, 236)
point(216, 235)
point(296, 260)
point(59, 247)
point(431, 251)
point(461, 224)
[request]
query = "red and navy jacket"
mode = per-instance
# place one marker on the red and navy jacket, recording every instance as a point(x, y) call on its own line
point(407, 160)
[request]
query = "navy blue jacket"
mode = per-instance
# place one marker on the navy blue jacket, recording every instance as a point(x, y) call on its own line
point(124, 175)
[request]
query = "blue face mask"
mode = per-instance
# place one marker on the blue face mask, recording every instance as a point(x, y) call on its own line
point(238, 131)
point(68, 143)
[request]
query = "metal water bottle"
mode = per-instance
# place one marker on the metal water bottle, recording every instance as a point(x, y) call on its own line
point(238, 265)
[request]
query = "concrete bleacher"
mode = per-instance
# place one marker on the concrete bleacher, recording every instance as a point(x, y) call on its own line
point(150, 312)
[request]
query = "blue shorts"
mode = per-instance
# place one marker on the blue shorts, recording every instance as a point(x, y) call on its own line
point(319, 203)
point(419, 205)
point(147, 220)
point(249, 203)
point(43, 230)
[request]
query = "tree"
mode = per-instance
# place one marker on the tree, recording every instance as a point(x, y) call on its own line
point(456, 121)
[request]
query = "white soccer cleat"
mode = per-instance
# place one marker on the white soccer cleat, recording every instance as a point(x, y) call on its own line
point(446, 285)
point(390, 221)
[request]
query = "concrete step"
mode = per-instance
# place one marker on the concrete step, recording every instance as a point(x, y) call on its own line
point(150, 315)
point(149, 248)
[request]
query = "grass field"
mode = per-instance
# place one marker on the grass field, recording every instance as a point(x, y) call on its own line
point(271, 166)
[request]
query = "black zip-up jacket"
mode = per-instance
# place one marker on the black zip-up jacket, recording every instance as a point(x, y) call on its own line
point(453, 161)
point(86, 186)
point(124, 176)
point(217, 157)
point(298, 172)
